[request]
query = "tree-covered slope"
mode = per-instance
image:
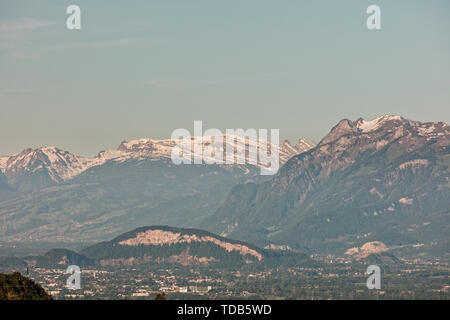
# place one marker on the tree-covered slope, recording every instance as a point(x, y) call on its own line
point(14, 286)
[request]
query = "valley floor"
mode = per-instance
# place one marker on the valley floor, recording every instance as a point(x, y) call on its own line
point(340, 279)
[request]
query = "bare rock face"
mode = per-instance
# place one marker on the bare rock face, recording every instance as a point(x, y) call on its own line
point(367, 249)
point(161, 237)
point(163, 244)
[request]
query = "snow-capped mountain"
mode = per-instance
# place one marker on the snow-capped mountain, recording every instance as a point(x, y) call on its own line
point(374, 124)
point(49, 165)
point(35, 168)
point(387, 126)
point(244, 150)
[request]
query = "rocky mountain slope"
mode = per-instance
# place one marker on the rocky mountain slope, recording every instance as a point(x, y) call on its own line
point(386, 180)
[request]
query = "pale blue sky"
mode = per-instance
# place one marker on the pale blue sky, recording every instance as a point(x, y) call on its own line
point(144, 68)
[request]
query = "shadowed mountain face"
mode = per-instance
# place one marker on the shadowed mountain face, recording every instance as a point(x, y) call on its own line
point(382, 180)
point(35, 169)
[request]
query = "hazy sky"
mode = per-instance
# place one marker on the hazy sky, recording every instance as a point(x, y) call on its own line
point(144, 68)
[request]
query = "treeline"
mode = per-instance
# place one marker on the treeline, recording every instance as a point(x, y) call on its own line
point(15, 286)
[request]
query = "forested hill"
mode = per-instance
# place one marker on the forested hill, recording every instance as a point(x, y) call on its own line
point(15, 286)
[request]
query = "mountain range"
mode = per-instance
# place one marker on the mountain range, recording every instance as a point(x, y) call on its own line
point(55, 196)
point(33, 169)
point(384, 180)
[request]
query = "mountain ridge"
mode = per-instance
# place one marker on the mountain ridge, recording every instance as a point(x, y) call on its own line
point(384, 168)
point(51, 165)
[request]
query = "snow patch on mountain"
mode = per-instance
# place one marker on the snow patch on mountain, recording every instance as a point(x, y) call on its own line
point(162, 237)
point(241, 149)
point(374, 124)
point(304, 145)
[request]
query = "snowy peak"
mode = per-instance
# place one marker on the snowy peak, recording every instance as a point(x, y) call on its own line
point(241, 147)
point(386, 124)
point(137, 149)
point(375, 124)
point(58, 164)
